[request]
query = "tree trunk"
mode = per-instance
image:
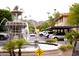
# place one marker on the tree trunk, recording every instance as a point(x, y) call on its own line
point(74, 47)
point(13, 53)
point(71, 42)
point(19, 52)
point(10, 53)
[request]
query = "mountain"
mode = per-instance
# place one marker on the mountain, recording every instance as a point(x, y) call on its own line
point(34, 22)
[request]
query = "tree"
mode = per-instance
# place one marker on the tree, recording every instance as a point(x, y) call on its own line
point(51, 21)
point(31, 28)
point(56, 14)
point(19, 43)
point(4, 14)
point(72, 36)
point(43, 26)
point(10, 46)
point(73, 18)
point(76, 37)
point(48, 23)
point(8, 8)
point(69, 37)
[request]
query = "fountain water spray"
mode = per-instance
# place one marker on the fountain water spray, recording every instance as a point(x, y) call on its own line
point(25, 32)
point(3, 21)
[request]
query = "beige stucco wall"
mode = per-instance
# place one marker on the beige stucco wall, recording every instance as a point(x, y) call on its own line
point(61, 22)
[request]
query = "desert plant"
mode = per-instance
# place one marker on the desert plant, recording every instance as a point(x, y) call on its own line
point(19, 43)
point(10, 46)
point(65, 47)
point(69, 46)
point(66, 50)
point(51, 40)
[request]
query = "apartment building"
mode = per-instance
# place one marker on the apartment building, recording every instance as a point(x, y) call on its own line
point(61, 21)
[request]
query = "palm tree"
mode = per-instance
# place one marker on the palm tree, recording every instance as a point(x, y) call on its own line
point(19, 43)
point(10, 46)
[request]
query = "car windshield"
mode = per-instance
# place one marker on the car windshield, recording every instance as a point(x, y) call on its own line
point(51, 32)
point(59, 33)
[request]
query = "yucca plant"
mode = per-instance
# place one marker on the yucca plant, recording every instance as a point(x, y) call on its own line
point(10, 46)
point(19, 43)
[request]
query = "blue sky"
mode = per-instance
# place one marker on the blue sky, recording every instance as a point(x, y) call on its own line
point(38, 8)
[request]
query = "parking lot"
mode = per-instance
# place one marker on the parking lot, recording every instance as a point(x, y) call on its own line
point(32, 39)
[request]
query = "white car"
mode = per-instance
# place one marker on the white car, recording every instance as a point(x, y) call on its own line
point(3, 36)
point(32, 35)
point(57, 35)
point(44, 33)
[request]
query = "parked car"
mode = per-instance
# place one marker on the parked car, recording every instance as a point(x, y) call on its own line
point(32, 35)
point(44, 33)
point(3, 36)
point(57, 35)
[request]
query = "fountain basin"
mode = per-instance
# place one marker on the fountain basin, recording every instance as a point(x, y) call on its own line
point(49, 50)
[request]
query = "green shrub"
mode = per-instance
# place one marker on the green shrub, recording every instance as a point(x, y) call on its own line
point(69, 46)
point(51, 40)
point(65, 47)
point(36, 41)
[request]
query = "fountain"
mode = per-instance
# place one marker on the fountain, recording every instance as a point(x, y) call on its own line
point(18, 28)
point(15, 27)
